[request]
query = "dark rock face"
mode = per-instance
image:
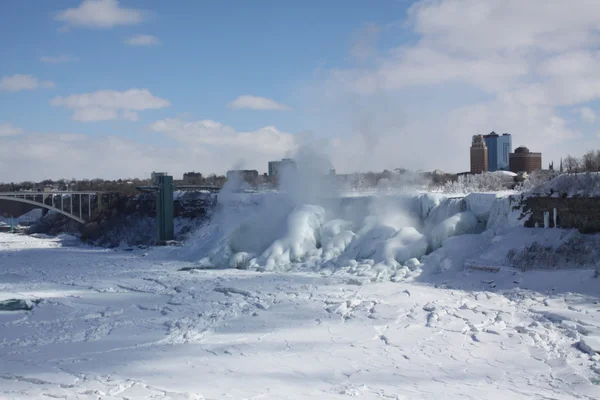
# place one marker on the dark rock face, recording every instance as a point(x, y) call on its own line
point(91, 231)
point(130, 219)
point(582, 213)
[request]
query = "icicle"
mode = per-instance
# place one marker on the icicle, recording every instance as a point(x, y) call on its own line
point(546, 219)
point(555, 217)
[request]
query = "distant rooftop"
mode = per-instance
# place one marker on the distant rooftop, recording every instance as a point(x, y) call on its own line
point(522, 150)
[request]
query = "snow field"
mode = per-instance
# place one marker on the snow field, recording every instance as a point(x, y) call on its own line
point(130, 325)
point(295, 296)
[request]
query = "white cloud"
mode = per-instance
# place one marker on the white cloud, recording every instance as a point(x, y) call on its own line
point(18, 82)
point(587, 115)
point(7, 129)
point(256, 103)
point(68, 155)
point(100, 14)
point(481, 28)
point(207, 146)
point(498, 65)
point(94, 114)
point(142, 40)
point(58, 59)
point(130, 115)
point(109, 104)
point(267, 140)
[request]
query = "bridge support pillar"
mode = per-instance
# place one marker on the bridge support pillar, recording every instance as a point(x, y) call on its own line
point(164, 209)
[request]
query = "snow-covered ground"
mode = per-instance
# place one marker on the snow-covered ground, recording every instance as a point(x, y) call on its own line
point(582, 184)
point(305, 294)
point(130, 325)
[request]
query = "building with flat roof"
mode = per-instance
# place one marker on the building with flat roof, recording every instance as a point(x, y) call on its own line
point(523, 160)
point(499, 147)
point(248, 175)
point(479, 155)
point(275, 167)
point(192, 178)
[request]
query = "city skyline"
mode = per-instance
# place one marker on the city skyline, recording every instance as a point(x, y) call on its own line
point(113, 89)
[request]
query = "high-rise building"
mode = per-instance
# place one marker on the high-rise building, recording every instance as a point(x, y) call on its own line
point(499, 147)
point(522, 160)
point(479, 155)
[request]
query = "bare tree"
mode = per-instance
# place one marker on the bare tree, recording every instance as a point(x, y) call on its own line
point(589, 161)
point(571, 164)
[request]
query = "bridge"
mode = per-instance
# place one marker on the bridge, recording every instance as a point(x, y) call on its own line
point(75, 205)
point(80, 206)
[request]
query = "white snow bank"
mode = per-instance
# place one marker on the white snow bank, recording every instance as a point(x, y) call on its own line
point(30, 216)
point(584, 184)
point(507, 173)
point(517, 248)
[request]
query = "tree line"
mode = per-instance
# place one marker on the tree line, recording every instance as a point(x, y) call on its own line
point(589, 162)
point(127, 186)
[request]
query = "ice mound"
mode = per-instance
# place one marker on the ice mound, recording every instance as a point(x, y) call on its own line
point(382, 243)
point(382, 237)
point(301, 240)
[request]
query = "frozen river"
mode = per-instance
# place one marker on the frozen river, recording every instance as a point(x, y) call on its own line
point(130, 325)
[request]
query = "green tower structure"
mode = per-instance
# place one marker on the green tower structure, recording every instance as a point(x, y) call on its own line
point(164, 208)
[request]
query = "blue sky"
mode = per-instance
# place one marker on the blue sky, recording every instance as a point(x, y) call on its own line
point(210, 53)
point(120, 88)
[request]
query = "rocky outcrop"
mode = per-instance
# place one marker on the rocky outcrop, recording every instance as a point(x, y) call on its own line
point(582, 213)
point(130, 219)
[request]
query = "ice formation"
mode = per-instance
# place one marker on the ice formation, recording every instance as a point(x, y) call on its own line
point(270, 231)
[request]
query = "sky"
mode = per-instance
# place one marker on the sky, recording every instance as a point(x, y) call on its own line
point(118, 89)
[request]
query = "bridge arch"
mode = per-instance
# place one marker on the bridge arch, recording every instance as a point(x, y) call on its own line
point(42, 205)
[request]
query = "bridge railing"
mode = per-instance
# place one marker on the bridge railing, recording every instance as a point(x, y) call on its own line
point(66, 199)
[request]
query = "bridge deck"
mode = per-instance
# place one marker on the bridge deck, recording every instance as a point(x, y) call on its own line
point(45, 193)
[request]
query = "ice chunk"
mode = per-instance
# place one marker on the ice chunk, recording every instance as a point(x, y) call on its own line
point(590, 344)
point(240, 260)
point(16, 305)
point(407, 244)
point(412, 264)
point(335, 246)
point(332, 228)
